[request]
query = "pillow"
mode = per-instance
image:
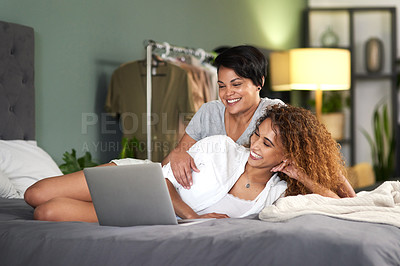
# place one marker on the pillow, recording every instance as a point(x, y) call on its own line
point(24, 163)
point(7, 189)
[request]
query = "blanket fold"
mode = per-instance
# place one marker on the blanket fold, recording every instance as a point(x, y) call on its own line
point(381, 205)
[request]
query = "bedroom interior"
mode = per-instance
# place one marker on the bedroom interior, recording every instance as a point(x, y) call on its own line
point(56, 63)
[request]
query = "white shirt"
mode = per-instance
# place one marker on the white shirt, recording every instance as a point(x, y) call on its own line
point(221, 162)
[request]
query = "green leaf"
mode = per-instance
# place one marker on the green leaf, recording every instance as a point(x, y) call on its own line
point(386, 122)
point(72, 164)
point(382, 143)
point(378, 136)
point(332, 101)
point(129, 146)
point(124, 144)
point(86, 161)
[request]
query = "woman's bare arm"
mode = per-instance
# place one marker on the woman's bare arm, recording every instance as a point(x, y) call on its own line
point(293, 172)
point(345, 189)
point(181, 162)
point(317, 188)
point(183, 210)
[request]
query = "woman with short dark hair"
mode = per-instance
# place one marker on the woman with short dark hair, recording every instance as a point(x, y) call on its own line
point(241, 75)
point(247, 61)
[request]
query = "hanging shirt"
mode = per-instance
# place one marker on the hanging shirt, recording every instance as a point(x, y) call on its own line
point(212, 80)
point(171, 101)
point(198, 80)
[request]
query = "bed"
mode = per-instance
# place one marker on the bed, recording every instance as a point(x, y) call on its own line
point(311, 239)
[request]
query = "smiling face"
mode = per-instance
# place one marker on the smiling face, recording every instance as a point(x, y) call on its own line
point(238, 94)
point(266, 150)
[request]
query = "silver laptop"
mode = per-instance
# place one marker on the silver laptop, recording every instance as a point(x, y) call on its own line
point(131, 195)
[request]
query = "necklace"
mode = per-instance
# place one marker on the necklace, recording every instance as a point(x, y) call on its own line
point(248, 181)
point(248, 184)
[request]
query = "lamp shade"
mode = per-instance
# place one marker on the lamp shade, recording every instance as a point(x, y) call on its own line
point(310, 69)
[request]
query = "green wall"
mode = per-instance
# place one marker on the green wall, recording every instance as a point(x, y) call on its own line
point(78, 44)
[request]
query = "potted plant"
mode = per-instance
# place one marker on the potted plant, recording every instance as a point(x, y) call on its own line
point(382, 143)
point(333, 103)
point(73, 164)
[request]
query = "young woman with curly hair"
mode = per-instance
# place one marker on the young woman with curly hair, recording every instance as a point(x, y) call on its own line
point(290, 153)
point(312, 156)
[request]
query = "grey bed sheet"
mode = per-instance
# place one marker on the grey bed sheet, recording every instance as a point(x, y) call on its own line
point(306, 240)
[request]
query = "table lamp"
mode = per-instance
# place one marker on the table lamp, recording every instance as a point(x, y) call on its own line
point(316, 69)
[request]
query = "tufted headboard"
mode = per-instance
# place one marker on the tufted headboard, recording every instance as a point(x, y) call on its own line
point(17, 91)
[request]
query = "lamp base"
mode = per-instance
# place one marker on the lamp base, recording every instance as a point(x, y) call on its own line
point(318, 103)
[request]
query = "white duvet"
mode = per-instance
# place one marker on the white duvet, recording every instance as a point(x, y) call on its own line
point(381, 205)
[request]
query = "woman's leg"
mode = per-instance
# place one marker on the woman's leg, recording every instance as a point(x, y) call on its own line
point(65, 209)
point(66, 186)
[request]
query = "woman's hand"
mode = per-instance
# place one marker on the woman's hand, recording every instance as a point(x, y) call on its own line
point(290, 169)
point(211, 215)
point(346, 190)
point(182, 164)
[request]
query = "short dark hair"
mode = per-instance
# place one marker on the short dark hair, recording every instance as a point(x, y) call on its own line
point(247, 62)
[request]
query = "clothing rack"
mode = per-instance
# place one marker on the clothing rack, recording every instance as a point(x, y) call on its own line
point(150, 46)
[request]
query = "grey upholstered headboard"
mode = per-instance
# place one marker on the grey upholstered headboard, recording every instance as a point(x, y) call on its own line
point(17, 91)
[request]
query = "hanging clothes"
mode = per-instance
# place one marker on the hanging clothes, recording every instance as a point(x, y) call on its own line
point(172, 101)
point(209, 76)
point(198, 82)
point(212, 80)
point(203, 79)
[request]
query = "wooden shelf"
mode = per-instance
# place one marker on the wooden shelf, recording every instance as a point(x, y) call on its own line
point(349, 25)
point(338, 47)
point(344, 141)
point(372, 76)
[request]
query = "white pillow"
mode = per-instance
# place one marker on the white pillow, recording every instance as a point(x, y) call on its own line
point(24, 163)
point(7, 189)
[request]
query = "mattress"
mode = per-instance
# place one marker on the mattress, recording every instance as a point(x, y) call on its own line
point(305, 240)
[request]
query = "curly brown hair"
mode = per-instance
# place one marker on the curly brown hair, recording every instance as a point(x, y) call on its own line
point(308, 144)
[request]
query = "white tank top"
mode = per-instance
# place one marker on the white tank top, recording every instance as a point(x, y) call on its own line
point(230, 205)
